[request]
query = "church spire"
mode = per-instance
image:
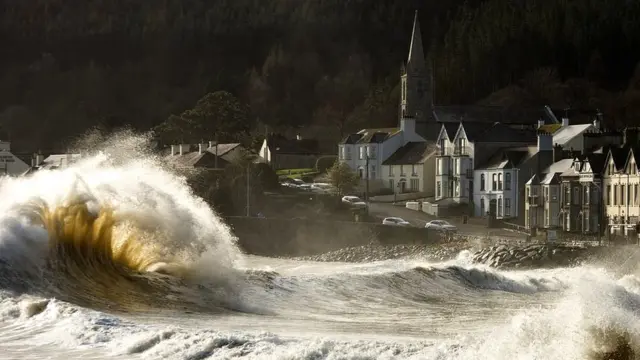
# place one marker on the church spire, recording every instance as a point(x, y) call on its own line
point(416, 60)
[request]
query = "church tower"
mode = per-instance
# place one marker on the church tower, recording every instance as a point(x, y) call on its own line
point(416, 99)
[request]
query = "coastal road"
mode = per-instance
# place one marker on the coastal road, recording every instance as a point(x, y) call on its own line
point(419, 219)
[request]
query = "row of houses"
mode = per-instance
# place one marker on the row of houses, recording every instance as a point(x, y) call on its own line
point(589, 193)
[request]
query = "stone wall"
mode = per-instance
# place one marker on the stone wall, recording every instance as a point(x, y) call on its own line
point(304, 237)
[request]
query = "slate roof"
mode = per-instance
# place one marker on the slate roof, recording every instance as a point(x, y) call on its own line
point(505, 158)
point(196, 159)
point(488, 114)
point(451, 128)
point(351, 139)
point(596, 161)
point(550, 179)
point(619, 156)
point(411, 153)
point(568, 133)
point(223, 148)
point(279, 144)
point(497, 132)
point(550, 128)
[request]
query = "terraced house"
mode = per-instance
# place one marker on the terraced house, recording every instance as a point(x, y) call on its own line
point(580, 209)
point(622, 197)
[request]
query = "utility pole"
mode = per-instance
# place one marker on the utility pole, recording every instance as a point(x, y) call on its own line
point(366, 189)
point(216, 160)
point(248, 189)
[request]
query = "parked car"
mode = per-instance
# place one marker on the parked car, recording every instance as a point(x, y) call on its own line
point(395, 221)
point(441, 225)
point(354, 201)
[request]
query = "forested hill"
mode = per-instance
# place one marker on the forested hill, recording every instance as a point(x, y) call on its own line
point(66, 67)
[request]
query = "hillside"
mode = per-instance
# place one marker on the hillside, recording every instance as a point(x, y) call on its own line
point(298, 63)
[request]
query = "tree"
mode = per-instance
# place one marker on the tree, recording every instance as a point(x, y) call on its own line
point(343, 178)
point(218, 115)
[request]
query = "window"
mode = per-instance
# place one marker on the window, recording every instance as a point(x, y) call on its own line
point(361, 156)
point(442, 147)
point(608, 194)
point(635, 194)
point(499, 205)
point(507, 207)
point(576, 196)
point(438, 189)
point(373, 172)
point(622, 191)
point(371, 151)
point(413, 170)
point(628, 195)
point(585, 194)
point(546, 192)
point(390, 170)
point(404, 90)
point(482, 211)
point(546, 217)
point(349, 153)
point(482, 182)
point(615, 195)
point(456, 168)
point(342, 157)
point(507, 181)
point(402, 171)
point(494, 182)
point(415, 185)
point(567, 194)
point(499, 181)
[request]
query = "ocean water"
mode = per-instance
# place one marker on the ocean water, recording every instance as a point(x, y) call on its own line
point(115, 258)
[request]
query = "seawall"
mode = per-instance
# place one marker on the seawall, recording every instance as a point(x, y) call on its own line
point(304, 237)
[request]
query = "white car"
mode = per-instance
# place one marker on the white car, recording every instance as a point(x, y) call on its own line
point(441, 225)
point(354, 201)
point(395, 221)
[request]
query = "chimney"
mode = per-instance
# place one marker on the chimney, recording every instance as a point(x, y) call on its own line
point(174, 150)
point(33, 160)
point(39, 159)
point(298, 137)
point(545, 141)
point(558, 153)
point(565, 121)
point(630, 136)
point(540, 122)
point(202, 148)
point(212, 144)
point(408, 125)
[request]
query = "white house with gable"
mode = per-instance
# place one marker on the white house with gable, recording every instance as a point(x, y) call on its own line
point(366, 150)
point(10, 164)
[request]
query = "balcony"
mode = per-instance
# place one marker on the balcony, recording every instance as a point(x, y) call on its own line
point(444, 151)
point(534, 200)
point(461, 151)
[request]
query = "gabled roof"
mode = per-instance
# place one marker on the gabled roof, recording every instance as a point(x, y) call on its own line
point(351, 139)
point(619, 156)
point(376, 136)
point(505, 158)
point(223, 149)
point(635, 152)
point(596, 162)
point(411, 153)
point(451, 129)
point(534, 180)
point(559, 166)
point(551, 179)
point(196, 159)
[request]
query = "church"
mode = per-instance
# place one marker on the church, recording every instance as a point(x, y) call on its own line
point(403, 158)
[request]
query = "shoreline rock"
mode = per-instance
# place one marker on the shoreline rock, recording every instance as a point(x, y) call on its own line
point(531, 256)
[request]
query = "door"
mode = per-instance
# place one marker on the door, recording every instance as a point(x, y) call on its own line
point(493, 207)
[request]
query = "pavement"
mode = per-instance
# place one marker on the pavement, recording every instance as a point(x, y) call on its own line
point(419, 219)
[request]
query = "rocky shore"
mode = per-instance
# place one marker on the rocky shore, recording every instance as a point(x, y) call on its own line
point(532, 256)
point(378, 252)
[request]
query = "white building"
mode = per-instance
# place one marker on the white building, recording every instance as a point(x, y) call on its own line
point(10, 164)
point(621, 177)
point(542, 196)
point(410, 169)
point(371, 147)
point(472, 144)
point(496, 184)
